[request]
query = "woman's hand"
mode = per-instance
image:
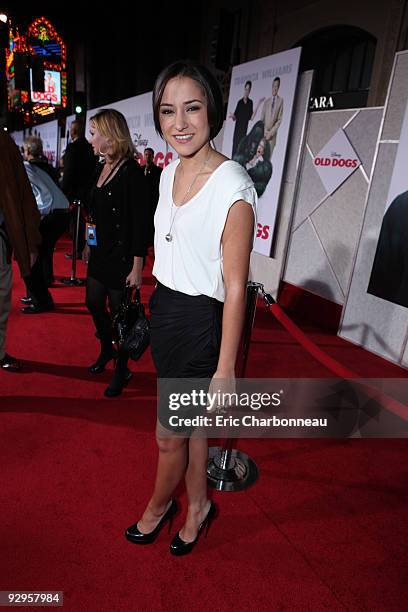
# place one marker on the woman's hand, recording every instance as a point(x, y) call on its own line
point(86, 253)
point(221, 390)
point(134, 279)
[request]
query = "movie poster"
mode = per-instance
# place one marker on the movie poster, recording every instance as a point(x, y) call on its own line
point(257, 129)
point(52, 89)
point(49, 134)
point(389, 274)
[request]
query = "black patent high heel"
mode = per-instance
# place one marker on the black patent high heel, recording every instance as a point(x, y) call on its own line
point(104, 358)
point(119, 380)
point(134, 535)
point(179, 547)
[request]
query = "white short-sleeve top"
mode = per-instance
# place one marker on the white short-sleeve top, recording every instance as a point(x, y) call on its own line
point(192, 261)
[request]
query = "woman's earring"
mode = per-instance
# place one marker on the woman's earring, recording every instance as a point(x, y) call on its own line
point(102, 156)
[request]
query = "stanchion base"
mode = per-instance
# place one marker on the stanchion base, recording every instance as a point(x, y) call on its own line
point(241, 475)
point(73, 282)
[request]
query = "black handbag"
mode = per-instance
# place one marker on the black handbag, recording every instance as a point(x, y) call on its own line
point(131, 328)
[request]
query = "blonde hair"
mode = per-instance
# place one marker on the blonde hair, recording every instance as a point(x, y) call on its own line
point(34, 145)
point(112, 124)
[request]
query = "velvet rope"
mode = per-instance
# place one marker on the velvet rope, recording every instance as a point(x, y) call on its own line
point(389, 403)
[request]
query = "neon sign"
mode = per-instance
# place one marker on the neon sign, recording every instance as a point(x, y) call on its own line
point(43, 40)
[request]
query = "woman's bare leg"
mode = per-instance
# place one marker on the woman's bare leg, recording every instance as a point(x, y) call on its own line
point(171, 466)
point(196, 485)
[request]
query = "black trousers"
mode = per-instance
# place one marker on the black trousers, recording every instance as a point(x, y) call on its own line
point(42, 274)
point(98, 299)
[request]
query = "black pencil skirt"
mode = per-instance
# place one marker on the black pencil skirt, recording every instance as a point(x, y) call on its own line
point(185, 336)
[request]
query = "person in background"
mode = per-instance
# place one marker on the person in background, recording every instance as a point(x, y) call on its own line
point(34, 153)
point(53, 207)
point(152, 179)
point(19, 232)
point(54, 220)
point(204, 226)
point(116, 235)
point(79, 167)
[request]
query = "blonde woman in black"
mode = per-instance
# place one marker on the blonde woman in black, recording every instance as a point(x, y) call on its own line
point(117, 233)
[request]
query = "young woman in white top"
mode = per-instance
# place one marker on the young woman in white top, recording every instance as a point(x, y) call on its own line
point(204, 225)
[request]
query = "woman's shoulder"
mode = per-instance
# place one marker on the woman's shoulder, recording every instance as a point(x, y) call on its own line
point(232, 174)
point(170, 168)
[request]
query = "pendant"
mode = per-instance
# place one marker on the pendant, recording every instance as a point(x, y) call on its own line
point(169, 237)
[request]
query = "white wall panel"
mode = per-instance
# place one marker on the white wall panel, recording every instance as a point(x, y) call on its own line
point(309, 267)
point(337, 222)
point(324, 124)
point(336, 219)
point(377, 324)
point(311, 191)
point(397, 100)
point(363, 134)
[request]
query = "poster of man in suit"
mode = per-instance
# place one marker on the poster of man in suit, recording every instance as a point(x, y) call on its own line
point(260, 141)
point(271, 115)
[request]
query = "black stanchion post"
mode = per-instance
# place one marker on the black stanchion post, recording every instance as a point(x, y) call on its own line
point(73, 280)
point(229, 469)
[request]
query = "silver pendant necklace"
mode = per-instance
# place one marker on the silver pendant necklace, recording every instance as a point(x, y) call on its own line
point(169, 236)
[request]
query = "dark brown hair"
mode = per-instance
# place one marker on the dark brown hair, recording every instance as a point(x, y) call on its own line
point(205, 79)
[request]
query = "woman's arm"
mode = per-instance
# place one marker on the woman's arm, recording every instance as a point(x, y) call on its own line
point(237, 245)
point(134, 278)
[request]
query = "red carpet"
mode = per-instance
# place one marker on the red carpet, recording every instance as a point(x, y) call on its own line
point(324, 528)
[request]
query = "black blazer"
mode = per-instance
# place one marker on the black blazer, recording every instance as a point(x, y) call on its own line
point(79, 170)
point(126, 217)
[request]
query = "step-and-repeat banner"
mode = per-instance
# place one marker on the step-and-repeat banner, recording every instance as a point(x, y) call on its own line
point(49, 134)
point(18, 138)
point(257, 129)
